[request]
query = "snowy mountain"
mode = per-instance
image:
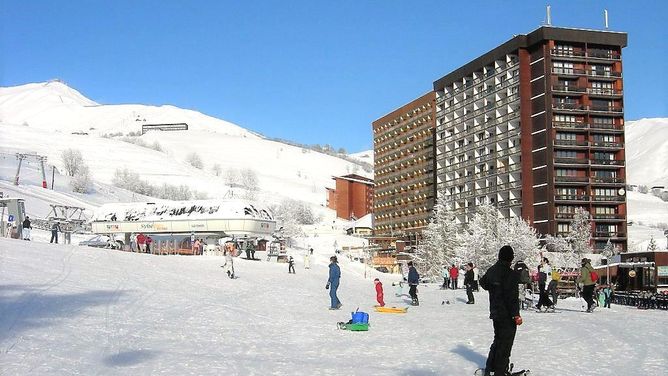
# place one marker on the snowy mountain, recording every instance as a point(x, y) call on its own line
point(48, 118)
point(647, 152)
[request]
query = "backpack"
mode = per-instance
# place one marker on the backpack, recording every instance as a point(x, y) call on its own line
point(556, 276)
point(524, 276)
point(594, 276)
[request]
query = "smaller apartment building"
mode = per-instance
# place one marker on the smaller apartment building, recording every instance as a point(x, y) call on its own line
point(352, 198)
point(403, 143)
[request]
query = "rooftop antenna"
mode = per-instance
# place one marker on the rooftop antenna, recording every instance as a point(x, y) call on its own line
point(605, 15)
point(549, 16)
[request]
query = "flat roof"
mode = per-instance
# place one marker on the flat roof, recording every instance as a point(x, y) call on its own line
point(604, 37)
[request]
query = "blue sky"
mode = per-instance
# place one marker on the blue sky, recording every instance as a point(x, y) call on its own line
point(309, 71)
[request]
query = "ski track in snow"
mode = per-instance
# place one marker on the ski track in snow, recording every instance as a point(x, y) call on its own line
point(104, 312)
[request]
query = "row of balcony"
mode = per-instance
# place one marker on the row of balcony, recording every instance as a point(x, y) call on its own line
point(575, 106)
point(490, 105)
point(469, 84)
point(587, 198)
point(588, 162)
point(486, 190)
point(483, 158)
point(489, 92)
point(494, 138)
point(454, 137)
point(585, 126)
point(579, 54)
point(592, 91)
point(586, 143)
point(588, 179)
point(595, 216)
point(597, 74)
point(483, 175)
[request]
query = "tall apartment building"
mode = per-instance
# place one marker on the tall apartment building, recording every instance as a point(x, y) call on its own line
point(403, 143)
point(536, 127)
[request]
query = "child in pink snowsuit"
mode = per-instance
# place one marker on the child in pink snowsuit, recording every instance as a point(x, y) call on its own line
point(379, 292)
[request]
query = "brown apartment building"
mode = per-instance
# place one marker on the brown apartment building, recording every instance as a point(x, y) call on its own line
point(352, 198)
point(403, 144)
point(535, 127)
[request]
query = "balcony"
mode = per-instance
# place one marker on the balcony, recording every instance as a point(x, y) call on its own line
point(608, 198)
point(607, 75)
point(613, 109)
point(570, 125)
point(571, 143)
point(604, 55)
point(578, 197)
point(575, 54)
point(603, 92)
point(568, 89)
point(614, 128)
point(606, 180)
point(606, 145)
point(509, 203)
point(609, 234)
point(571, 161)
point(607, 217)
point(568, 106)
point(568, 72)
point(568, 216)
point(571, 179)
point(607, 162)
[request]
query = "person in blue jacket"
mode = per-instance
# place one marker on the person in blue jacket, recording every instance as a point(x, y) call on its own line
point(413, 282)
point(333, 282)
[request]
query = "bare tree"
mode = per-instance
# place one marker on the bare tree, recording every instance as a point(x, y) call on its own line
point(81, 182)
point(216, 169)
point(73, 160)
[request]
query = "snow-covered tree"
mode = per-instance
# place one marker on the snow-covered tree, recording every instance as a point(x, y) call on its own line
point(580, 234)
point(81, 182)
point(518, 234)
point(480, 242)
point(216, 169)
point(195, 160)
point(440, 240)
point(609, 250)
point(231, 176)
point(651, 247)
point(126, 179)
point(556, 244)
point(72, 160)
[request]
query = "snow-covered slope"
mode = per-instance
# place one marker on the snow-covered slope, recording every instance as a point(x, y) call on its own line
point(647, 152)
point(40, 118)
point(70, 310)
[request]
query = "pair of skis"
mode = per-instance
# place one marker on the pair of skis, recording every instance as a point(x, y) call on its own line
point(524, 372)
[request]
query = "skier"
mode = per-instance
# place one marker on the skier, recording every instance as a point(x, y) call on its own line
point(307, 261)
point(552, 287)
point(379, 292)
point(229, 263)
point(543, 299)
point(607, 292)
point(311, 250)
point(454, 274)
point(291, 265)
point(476, 278)
point(26, 228)
point(522, 271)
point(333, 282)
point(588, 283)
point(55, 228)
point(149, 242)
point(501, 282)
point(413, 282)
point(468, 282)
point(141, 243)
point(446, 277)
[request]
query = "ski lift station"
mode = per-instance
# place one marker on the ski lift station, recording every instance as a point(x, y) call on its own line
point(202, 218)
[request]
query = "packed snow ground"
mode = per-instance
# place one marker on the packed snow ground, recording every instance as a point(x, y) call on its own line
point(74, 310)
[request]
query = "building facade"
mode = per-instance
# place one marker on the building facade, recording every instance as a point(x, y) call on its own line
point(352, 198)
point(403, 143)
point(535, 127)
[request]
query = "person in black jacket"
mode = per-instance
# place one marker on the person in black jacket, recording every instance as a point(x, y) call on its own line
point(413, 282)
point(26, 228)
point(468, 282)
point(501, 282)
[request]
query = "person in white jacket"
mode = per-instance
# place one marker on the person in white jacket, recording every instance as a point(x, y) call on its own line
point(446, 277)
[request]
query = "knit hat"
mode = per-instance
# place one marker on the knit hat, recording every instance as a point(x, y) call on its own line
point(376, 280)
point(506, 253)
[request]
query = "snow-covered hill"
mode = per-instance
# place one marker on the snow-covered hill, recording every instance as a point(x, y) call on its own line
point(647, 152)
point(42, 117)
point(69, 310)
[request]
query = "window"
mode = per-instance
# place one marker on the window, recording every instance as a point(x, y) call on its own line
point(563, 49)
point(567, 191)
point(601, 87)
point(565, 172)
point(604, 138)
point(564, 118)
point(602, 120)
point(605, 210)
point(605, 174)
point(566, 136)
point(566, 154)
point(563, 228)
point(599, 155)
point(607, 192)
point(563, 68)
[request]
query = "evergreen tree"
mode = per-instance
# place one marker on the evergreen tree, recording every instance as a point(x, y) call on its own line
point(440, 240)
point(652, 245)
point(480, 242)
point(609, 250)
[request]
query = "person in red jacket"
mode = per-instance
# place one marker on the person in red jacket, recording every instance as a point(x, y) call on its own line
point(454, 273)
point(141, 243)
point(379, 292)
